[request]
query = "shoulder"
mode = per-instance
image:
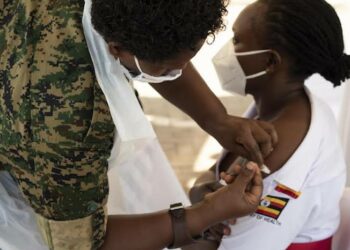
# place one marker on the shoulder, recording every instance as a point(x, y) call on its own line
point(292, 125)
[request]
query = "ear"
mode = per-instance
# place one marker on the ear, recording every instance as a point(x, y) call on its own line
point(274, 61)
point(115, 49)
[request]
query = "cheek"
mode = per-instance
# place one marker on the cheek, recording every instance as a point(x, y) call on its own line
point(251, 65)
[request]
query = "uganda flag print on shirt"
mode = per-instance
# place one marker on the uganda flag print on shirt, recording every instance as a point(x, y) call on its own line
point(272, 206)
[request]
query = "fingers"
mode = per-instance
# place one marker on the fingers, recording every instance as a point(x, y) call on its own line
point(218, 231)
point(232, 221)
point(249, 143)
point(258, 139)
point(231, 173)
point(262, 137)
point(267, 137)
point(222, 229)
point(270, 129)
point(257, 185)
point(246, 175)
point(227, 178)
point(227, 230)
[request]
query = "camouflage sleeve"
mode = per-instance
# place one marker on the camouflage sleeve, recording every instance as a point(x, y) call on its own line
point(56, 131)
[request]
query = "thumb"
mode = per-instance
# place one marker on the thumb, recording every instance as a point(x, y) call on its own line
point(245, 176)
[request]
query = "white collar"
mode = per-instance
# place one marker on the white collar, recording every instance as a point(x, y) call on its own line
point(126, 112)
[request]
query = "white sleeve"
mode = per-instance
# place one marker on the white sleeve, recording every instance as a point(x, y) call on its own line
point(264, 232)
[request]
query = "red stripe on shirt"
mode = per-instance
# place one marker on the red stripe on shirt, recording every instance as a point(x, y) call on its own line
point(259, 211)
point(290, 193)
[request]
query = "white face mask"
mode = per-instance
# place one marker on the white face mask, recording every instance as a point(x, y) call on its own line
point(144, 77)
point(229, 70)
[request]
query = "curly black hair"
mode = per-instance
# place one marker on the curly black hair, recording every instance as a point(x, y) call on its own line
point(157, 30)
point(310, 33)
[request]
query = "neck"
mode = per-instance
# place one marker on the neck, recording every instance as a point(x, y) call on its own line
point(271, 102)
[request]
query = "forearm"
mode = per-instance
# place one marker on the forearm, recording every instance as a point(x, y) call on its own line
point(151, 231)
point(154, 231)
point(191, 94)
point(248, 138)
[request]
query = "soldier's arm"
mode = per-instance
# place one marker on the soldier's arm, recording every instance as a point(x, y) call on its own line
point(251, 139)
point(154, 231)
point(150, 231)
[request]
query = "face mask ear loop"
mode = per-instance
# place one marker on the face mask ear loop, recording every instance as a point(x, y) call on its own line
point(256, 75)
point(249, 53)
point(137, 64)
point(253, 53)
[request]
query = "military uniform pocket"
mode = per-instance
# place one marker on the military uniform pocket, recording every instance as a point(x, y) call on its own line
point(81, 234)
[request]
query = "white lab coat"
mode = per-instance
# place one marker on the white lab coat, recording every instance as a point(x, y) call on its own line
point(146, 183)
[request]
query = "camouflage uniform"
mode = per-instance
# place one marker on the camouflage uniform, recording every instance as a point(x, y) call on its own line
point(56, 131)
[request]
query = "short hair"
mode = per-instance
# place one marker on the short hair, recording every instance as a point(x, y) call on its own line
point(310, 33)
point(157, 30)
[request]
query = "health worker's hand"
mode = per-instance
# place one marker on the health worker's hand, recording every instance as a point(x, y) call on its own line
point(251, 139)
point(240, 197)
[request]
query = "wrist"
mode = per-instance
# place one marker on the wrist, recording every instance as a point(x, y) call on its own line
point(184, 226)
point(199, 217)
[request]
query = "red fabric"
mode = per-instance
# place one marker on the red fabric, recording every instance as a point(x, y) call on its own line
point(317, 245)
